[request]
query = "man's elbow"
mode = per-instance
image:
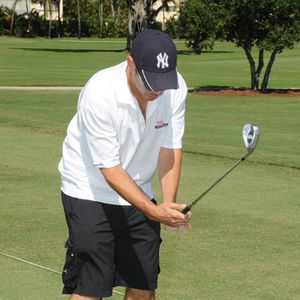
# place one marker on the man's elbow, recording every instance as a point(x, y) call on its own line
point(111, 174)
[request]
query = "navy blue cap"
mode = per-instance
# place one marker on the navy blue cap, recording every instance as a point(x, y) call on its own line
point(155, 57)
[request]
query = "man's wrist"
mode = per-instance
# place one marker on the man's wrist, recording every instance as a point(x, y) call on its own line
point(169, 200)
point(150, 210)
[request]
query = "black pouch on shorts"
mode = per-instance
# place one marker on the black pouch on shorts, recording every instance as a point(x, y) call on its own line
point(71, 269)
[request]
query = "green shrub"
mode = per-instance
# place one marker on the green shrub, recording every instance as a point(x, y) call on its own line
point(5, 18)
point(171, 27)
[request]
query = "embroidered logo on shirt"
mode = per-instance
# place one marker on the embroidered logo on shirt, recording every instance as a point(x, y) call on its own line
point(162, 60)
point(160, 124)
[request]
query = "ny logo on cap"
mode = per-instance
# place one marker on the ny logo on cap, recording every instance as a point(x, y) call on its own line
point(162, 60)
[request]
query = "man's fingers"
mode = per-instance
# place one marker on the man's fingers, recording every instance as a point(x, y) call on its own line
point(170, 214)
point(178, 206)
point(181, 219)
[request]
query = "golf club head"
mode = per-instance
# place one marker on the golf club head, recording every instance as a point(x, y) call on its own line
point(250, 137)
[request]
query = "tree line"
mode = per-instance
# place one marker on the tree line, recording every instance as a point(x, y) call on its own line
point(254, 25)
point(83, 18)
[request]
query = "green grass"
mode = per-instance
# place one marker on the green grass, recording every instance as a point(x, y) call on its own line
point(71, 62)
point(278, 118)
point(244, 243)
point(227, 65)
point(54, 62)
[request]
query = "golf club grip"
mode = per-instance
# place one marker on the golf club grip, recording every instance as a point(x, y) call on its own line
point(186, 209)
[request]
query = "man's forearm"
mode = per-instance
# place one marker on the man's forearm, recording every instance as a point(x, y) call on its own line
point(120, 181)
point(169, 167)
point(167, 213)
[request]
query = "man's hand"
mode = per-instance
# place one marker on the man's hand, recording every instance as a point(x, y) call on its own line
point(169, 213)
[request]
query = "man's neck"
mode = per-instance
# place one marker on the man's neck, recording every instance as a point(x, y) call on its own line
point(136, 93)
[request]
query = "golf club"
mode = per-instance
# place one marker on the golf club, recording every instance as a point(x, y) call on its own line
point(250, 136)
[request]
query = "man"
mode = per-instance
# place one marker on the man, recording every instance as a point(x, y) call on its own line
point(129, 123)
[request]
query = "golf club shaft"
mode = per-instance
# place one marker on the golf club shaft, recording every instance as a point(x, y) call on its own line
point(189, 207)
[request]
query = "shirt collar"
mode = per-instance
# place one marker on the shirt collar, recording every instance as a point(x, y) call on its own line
point(124, 93)
point(121, 85)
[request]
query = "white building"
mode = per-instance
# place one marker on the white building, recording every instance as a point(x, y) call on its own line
point(164, 15)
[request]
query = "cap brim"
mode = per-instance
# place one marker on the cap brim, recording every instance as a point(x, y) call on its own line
point(160, 81)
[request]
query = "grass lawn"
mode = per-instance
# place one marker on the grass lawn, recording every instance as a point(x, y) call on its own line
point(244, 243)
point(71, 62)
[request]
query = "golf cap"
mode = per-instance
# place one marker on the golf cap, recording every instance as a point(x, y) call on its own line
point(155, 57)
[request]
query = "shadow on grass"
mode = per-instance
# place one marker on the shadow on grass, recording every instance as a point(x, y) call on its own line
point(180, 52)
point(213, 88)
point(70, 50)
point(190, 52)
point(243, 91)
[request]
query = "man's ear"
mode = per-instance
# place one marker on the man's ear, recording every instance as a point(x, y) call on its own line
point(130, 62)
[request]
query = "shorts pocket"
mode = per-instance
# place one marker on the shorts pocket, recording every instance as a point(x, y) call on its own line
point(72, 267)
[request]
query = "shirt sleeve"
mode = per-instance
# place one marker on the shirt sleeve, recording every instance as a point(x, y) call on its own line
point(174, 132)
point(98, 138)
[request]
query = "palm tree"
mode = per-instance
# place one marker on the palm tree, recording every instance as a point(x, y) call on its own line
point(27, 17)
point(59, 10)
point(13, 17)
point(47, 5)
point(152, 13)
point(48, 2)
point(136, 19)
point(142, 15)
point(100, 14)
point(78, 19)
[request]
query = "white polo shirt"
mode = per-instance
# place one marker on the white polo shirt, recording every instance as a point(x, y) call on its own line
point(109, 129)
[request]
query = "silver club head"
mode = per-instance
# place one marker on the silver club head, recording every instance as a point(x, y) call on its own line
point(250, 136)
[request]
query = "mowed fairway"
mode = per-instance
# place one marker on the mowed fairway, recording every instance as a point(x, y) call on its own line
point(71, 62)
point(244, 243)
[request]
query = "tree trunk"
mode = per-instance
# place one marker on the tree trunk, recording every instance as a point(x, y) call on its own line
point(50, 19)
point(100, 14)
point(58, 19)
point(264, 84)
point(45, 8)
point(139, 17)
point(130, 33)
point(78, 20)
point(13, 18)
point(26, 4)
point(137, 21)
point(259, 68)
point(113, 11)
point(27, 17)
point(252, 68)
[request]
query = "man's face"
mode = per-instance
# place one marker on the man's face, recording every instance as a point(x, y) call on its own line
point(146, 94)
